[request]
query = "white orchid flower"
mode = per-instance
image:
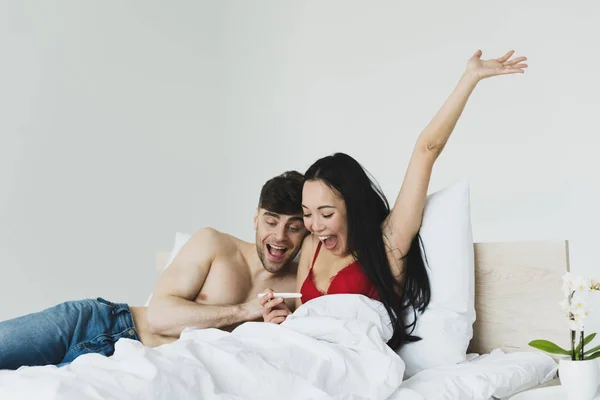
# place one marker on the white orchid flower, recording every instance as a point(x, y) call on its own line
point(581, 313)
point(567, 277)
point(576, 311)
point(580, 284)
point(566, 288)
point(565, 305)
point(579, 317)
point(577, 303)
point(567, 283)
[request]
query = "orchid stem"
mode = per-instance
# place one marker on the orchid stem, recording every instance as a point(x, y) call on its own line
point(573, 336)
point(582, 344)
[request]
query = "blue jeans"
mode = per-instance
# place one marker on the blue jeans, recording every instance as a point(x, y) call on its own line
point(60, 334)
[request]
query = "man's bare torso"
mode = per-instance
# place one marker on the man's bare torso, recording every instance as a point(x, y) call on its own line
point(235, 277)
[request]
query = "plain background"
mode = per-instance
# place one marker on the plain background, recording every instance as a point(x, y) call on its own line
point(124, 122)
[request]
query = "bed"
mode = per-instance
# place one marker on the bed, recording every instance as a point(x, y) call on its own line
point(505, 273)
point(509, 313)
point(517, 295)
point(516, 301)
point(504, 276)
point(335, 348)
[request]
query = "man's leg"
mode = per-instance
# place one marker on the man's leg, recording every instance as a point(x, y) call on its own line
point(38, 339)
point(60, 334)
point(101, 325)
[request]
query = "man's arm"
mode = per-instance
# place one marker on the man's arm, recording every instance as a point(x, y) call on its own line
point(173, 308)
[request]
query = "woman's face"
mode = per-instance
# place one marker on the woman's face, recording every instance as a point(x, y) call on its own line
point(325, 216)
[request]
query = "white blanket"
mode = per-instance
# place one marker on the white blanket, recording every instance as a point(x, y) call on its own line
point(491, 376)
point(333, 347)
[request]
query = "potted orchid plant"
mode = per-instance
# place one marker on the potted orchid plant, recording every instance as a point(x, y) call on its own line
point(578, 371)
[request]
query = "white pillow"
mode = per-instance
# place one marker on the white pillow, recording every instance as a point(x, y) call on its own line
point(446, 326)
point(494, 375)
point(180, 240)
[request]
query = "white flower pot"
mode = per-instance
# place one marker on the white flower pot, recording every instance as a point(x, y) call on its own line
point(579, 378)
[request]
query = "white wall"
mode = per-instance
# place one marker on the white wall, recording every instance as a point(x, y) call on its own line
point(110, 127)
point(127, 124)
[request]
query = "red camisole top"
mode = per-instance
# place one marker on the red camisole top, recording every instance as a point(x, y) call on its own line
point(350, 280)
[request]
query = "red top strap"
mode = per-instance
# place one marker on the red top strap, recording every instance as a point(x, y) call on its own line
point(349, 280)
point(316, 254)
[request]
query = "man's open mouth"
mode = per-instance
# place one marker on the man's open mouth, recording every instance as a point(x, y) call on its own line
point(276, 252)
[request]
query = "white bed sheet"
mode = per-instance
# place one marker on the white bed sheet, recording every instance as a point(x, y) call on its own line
point(490, 376)
point(333, 347)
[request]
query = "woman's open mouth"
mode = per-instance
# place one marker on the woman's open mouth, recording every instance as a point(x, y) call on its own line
point(329, 241)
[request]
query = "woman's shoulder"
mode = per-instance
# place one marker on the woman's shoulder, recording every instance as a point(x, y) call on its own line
point(308, 239)
point(307, 251)
point(309, 244)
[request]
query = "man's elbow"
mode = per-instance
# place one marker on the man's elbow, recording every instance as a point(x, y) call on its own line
point(154, 320)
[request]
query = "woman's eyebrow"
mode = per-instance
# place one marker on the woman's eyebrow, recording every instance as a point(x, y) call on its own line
point(320, 207)
point(325, 206)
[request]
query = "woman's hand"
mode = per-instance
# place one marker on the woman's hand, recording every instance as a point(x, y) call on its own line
point(481, 69)
point(274, 308)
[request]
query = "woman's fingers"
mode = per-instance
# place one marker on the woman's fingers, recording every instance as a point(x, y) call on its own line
point(276, 315)
point(520, 66)
point(274, 308)
point(508, 71)
point(515, 61)
point(267, 295)
point(272, 302)
point(279, 313)
point(506, 56)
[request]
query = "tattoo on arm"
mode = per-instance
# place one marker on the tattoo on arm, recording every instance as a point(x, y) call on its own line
point(396, 258)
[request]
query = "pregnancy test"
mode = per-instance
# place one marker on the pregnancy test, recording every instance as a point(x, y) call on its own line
point(284, 295)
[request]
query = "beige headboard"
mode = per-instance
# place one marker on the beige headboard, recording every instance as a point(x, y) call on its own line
point(517, 291)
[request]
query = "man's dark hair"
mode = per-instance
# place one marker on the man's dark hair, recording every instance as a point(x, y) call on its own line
point(283, 194)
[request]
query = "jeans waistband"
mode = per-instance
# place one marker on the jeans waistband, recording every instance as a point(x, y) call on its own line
point(123, 315)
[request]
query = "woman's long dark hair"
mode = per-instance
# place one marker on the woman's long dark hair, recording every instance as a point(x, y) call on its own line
point(367, 208)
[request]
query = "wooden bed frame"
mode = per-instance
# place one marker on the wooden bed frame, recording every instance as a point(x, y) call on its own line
point(517, 291)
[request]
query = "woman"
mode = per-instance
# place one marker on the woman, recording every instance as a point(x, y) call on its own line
point(357, 244)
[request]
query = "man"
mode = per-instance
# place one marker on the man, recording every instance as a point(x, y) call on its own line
point(213, 282)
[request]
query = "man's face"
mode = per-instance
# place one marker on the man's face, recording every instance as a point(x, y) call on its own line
point(278, 238)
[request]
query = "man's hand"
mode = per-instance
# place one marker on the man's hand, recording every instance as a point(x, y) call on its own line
point(253, 310)
point(274, 308)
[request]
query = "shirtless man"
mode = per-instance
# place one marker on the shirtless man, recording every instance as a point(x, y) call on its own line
point(213, 282)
